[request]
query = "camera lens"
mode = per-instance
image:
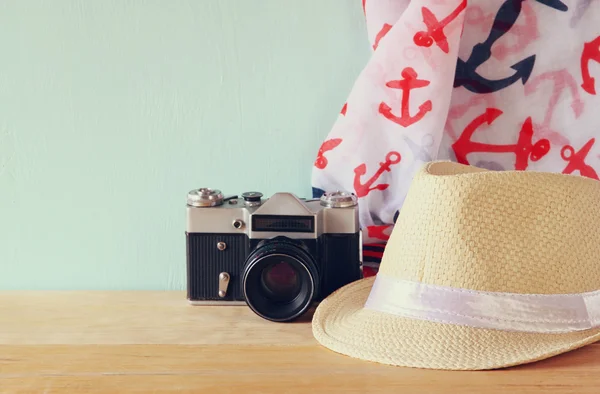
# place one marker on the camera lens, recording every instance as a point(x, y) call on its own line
point(280, 280)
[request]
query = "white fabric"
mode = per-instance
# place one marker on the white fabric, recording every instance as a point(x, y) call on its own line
point(465, 81)
point(553, 313)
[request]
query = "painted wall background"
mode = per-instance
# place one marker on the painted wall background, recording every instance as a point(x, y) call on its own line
point(110, 111)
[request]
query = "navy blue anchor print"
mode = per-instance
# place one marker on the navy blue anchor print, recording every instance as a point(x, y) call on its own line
point(466, 71)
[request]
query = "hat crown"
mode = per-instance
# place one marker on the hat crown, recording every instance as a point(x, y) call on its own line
point(506, 231)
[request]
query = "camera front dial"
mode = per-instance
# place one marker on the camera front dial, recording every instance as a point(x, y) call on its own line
point(279, 280)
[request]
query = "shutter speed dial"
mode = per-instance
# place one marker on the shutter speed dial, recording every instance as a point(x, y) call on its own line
point(205, 197)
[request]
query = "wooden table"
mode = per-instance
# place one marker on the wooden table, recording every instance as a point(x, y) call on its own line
point(154, 342)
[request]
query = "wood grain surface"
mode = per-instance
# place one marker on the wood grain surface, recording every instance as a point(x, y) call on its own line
point(154, 342)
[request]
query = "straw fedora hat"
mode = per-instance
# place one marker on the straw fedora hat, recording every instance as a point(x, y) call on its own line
point(484, 269)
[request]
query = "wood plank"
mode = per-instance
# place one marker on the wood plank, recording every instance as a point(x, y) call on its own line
point(290, 369)
point(138, 342)
point(136, 317)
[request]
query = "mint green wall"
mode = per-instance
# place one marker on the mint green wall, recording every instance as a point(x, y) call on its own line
point(110, 111)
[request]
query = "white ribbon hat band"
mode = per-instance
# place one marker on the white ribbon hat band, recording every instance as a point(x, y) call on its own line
point(537, 313)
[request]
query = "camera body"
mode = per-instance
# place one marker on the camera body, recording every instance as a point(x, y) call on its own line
point(277, 255)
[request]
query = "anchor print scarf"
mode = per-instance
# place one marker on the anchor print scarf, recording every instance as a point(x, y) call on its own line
point(502, 84)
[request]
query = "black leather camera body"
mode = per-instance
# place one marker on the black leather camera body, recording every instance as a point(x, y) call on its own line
point(277, 255)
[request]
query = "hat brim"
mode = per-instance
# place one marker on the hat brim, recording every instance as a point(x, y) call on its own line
point(341, 324)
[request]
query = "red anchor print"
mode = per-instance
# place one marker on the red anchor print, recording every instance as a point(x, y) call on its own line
point(435, 28)
point(562, 80)
point(577, 160)
point(408, 82)
point(524, 149)
point(344, 109)
point(591, 51)
point(321, 161)
point(384, 30)
point(379, 232)
point(362, 189)
point(459, 110)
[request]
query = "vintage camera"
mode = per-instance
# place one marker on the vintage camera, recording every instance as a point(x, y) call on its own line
point(277, 255)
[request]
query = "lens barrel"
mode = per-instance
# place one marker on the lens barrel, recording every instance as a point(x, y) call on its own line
point(280, 279)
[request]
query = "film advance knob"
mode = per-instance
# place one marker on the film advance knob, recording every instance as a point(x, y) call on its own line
point(252, 198)
point(338, 199)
